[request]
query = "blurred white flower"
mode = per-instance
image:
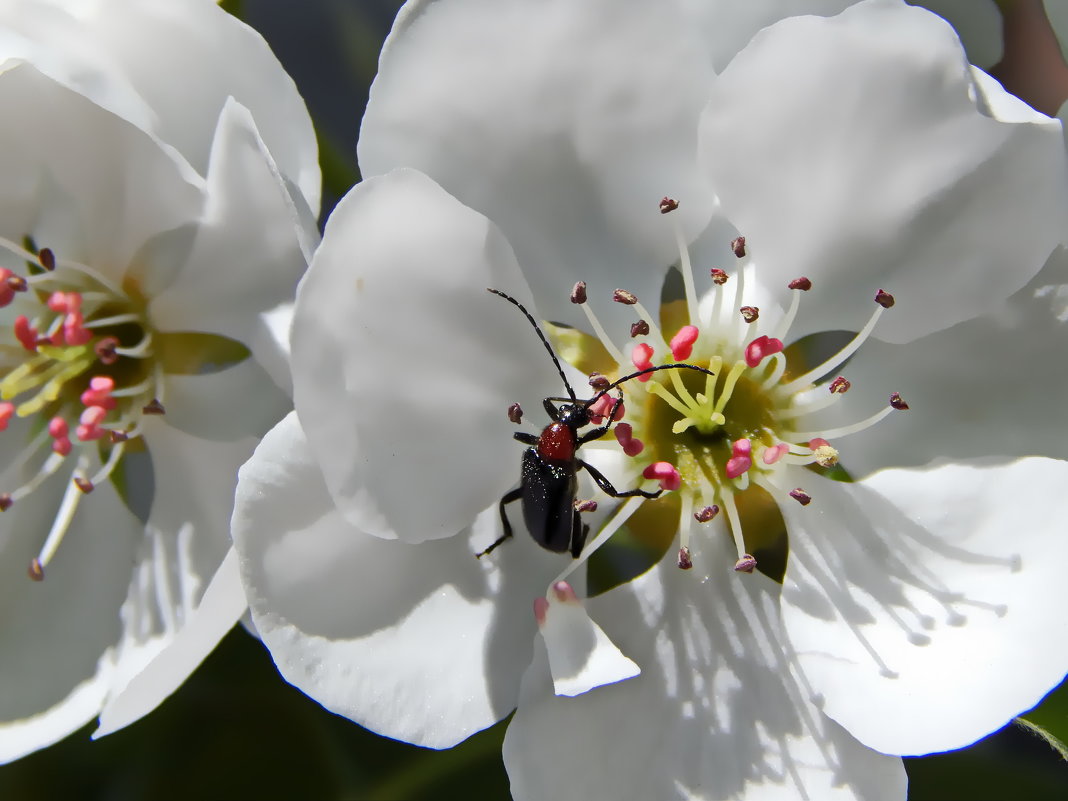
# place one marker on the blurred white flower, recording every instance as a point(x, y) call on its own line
point(158, 194)
point(854, 153)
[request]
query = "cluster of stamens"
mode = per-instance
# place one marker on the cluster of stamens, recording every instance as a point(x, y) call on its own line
point(84, 366)
point(712, 437)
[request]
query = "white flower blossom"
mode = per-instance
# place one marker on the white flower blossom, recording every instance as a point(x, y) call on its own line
point(884, 187)
point(159, 182)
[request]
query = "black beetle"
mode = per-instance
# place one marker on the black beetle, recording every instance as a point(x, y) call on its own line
point(550, 465)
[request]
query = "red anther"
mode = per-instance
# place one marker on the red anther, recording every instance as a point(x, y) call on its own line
point(7, 409)
point(624, 297)
point(61, 302)
point(57, 427)
point(105, 350)
point(642, 357)
point(90, 420)
point(839, 386)
point(884, 299)
point(685, 562)
point(760, 347)
point(578, 292)
point(719, 277)
point(706, 514)
point(153, 407)
point(801, 283)
point(7, 293)
point(117, 436)
point(665, 473)
point(774, 453)
point(585, 506)
point(598, 381)
point(639, 329)
point(749, 313)
point(741, 457)
point(668, 204)
point(25, 333)
point(801, 496)
point(541, 610)
point(99, 392)
point(682, 342)
point(47, 259)
point(898, 402)
point(515, 413)
point(738, 246)
point(74, 333)
point(606, 405)
point(62, 445)
point(35, 571)
point(84, 484)
point(564, 593)
point(625, 437)
point(747, 564)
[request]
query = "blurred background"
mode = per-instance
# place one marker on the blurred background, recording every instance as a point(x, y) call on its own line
point(236, 730)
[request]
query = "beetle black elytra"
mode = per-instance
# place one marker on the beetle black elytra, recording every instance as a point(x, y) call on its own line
point(550, 466)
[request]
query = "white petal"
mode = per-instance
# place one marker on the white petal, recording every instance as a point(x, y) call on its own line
point(404, 365)
point(423, 643)
point(565, 132)
point(927, 606)
point(83, 181)
point(991, 386)
point(250, 249)
point(220, 608)
point(978, 24)
point(126, 54)
point(878, 163)
point(718, 711)
point(56, 636)
point(581, 656)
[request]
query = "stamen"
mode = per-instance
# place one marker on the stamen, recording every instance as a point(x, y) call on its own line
point(801, 496)
point(686, 268)
point(750, 313)
point(835, 433)
point(738, 246)
point(610, 528)
point(760, 347)
point(682, 343)
point(706, 514)
point(598, 329)
point(71, 496)
point(153, 407)
point(735, 523)
point(801, 285)
point(642, 357)
point(665, 473)
point(624, 436)
point(741, 458)
point(774, 453)
point(515, 413)
point(746, 563)
point(840, 357)
point(639, 329)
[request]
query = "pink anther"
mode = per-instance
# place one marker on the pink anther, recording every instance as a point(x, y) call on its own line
point(642, 356)
point(541, 609)
point(818, 442)
point(89, 424)
point(565, 593)
point(625, 437)
point(57, 427)
point(61, 445)
point(760, 347)
point(665, 473)
point(682, 342)
point(741, 458)
point(63, 302)
point(775, 452)
point(7, 292)
point(7, 409)
point(99, 392)
point(25, 333)
point(74, 331)
point(603, 407)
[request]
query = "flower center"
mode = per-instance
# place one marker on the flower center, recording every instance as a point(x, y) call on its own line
point(725, 443)
point(76, 379)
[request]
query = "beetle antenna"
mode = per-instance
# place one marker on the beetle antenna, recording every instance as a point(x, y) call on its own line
point(544, 341)
point(647, 370)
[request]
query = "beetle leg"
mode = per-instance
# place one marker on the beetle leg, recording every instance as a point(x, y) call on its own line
point(508, 497)
point(579, 531)
point(608, 489)
point(526, 438)
point(599, 432)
